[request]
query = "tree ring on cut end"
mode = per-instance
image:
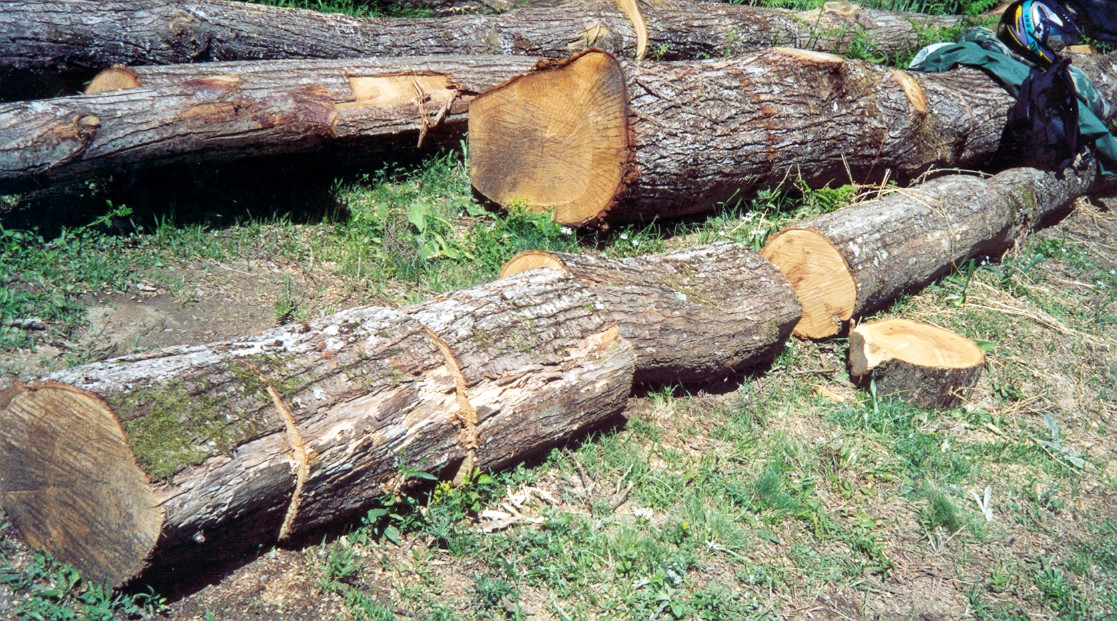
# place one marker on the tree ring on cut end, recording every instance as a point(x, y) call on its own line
point(820, 277)
point(555, 140)
point(531, 260)
point(71, 482)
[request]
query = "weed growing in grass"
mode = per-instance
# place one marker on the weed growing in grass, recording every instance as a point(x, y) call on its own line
point(51, 590)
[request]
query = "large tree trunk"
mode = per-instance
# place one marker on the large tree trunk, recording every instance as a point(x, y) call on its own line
point(88, 35)
point(695, 315)
point(135, 463)
point(596, 138)
point(245, 110)
point(854, 260)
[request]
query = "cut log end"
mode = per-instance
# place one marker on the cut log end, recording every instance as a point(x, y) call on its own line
point(556, 140)
point(85, 501)
point(113, 79)
point(821, 278)
point(531, 260)
point(917, 362)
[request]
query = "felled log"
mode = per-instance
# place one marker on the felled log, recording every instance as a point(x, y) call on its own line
point(129, 466)
point(851, 261)
point(244, 110)
point(60, 36)
point(916, 362)
point(694, 315)
point(599, 139)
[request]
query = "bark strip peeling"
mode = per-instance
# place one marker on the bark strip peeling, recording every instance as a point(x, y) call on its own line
point(160, 460)
point(235, 110)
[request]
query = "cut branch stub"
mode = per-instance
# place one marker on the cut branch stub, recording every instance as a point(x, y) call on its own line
point(694, 315)
point(914, 361)
point(849, 262)
point(564, 130)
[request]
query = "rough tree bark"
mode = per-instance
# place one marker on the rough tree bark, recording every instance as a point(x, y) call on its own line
point(916, 362)
point(135, 463)
point(536, 364)
point(89, 35)
point(695, 315)
point(595, 138)
point(854, 260)
point(244, 110)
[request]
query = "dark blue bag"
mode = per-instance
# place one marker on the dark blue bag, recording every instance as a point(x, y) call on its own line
point(1042, 127)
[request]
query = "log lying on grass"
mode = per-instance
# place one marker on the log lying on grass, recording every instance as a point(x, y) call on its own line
point(132, 465)
point(854, 260)
point(241, 110)
point(914, 361)
point(695, 315)
point(89, 35)
point(595, 138)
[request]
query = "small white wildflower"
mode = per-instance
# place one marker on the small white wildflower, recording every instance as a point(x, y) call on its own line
point(635, 242)
point(624, 235)
point(566, 230)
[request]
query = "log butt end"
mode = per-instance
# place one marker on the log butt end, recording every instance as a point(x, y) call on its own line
point(71, 483)
point(531, 260)
point(917, 362)
point(820, 277)
point(113, 79)
point(555, 140)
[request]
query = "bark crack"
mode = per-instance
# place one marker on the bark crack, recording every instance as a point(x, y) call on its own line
point(298, 451)
point(466, 418)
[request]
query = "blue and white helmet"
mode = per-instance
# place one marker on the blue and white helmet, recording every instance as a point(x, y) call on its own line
point(1038, 29)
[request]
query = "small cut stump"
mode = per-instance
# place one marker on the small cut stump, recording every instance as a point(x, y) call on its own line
point(914, 361)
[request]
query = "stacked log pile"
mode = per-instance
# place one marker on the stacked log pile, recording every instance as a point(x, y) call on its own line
point(136, 465)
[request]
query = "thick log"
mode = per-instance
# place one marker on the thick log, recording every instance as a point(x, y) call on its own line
point(130, 466)
point(90, 35)
point(243, 111)
point(695, 315)
point(599, 139)
point(854, 260)
point(915, 362)
point(113, 465)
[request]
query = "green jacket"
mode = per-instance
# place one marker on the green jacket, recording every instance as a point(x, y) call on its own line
point(980, 48)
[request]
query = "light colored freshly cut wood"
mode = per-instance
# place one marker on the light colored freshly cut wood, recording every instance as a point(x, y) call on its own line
point(907, 238)
point(707, 132)
point(555, 140)
point(694, 315)
point(914, 361)
point(821, 277)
